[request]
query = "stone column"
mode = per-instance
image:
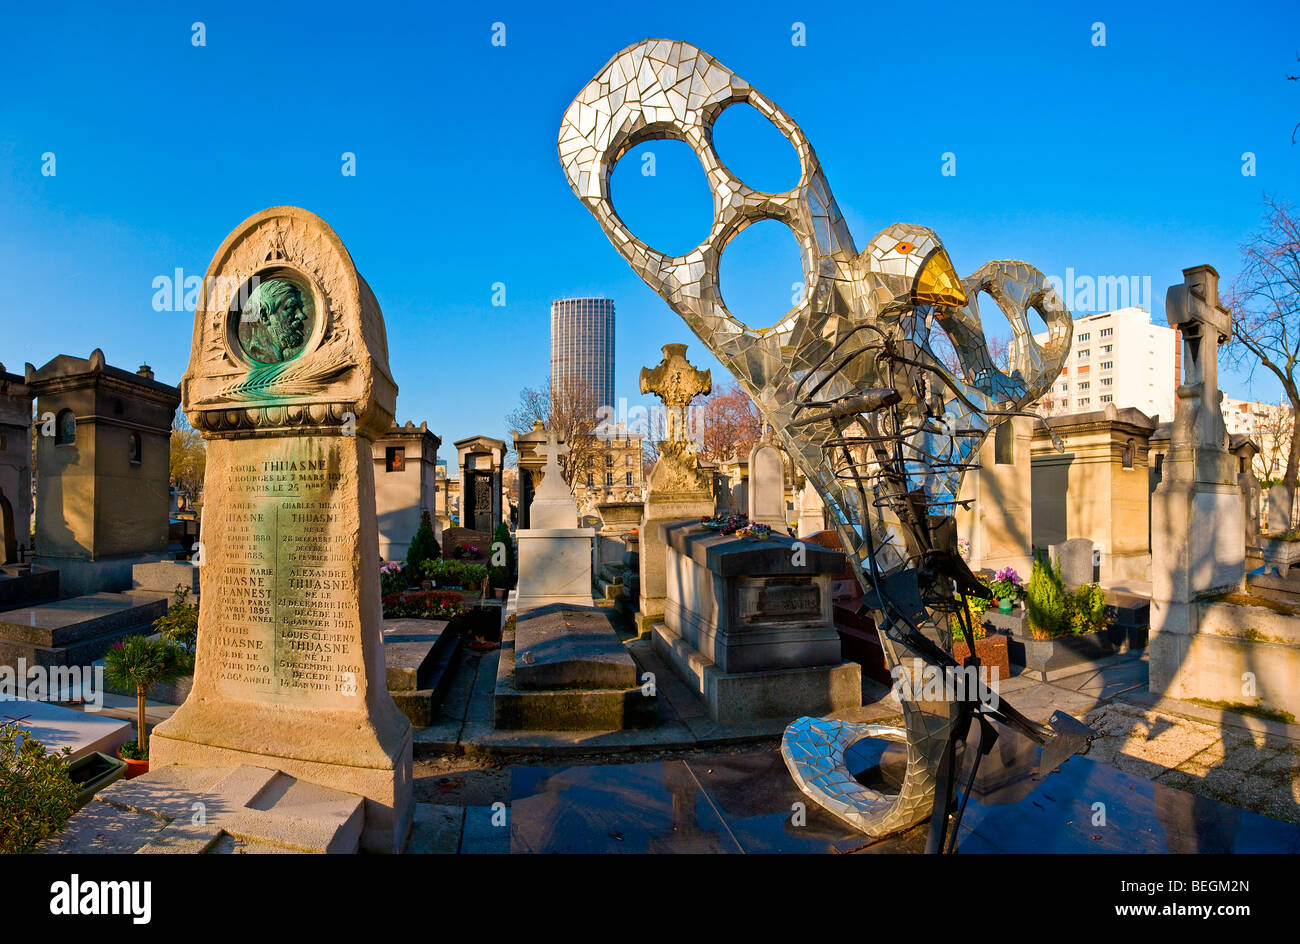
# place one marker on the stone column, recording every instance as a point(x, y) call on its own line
point(1197, 531)
point(289, 383)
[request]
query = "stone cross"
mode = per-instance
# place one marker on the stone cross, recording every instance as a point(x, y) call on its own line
point(1204, 324)
point(676, 382)
point(552, 451)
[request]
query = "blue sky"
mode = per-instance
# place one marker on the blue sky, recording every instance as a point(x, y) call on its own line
point(1123, 159)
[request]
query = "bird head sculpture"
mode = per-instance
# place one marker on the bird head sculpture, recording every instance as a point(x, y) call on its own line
point(849, 379)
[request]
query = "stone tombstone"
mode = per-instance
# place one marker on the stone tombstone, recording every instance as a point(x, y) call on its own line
point(1279, 509)
point(555, 553)
point(288, 382)
point(748, 624)
point(767, 486)
point(1075, 560)
point(1198, 541)
point(812, 511)
point(679, 488)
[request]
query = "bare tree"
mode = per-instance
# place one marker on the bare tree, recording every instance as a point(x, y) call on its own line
point(1265, 305)
point(570, 411)
point(728, 422)
point(1274, 427)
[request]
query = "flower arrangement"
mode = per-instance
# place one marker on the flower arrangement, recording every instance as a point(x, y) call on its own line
point(392, 577)
point(756, 530)
point(726, 524)
point(467, 551)
point(424, 604)
point(1006, 585)
point(963, 548)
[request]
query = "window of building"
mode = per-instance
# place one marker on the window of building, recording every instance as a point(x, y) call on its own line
point(1084, 385)
point(590, 480)
point(1107, 381)
point(1065, 388)
point(627, 460)
point(1107, 365)
point(1084, 401)
point(609, 459)
point(395, 458)
point(65, 428)
point(609, 478)
point(1107, 332)
point(133, 449)
point(1083, 355)
point(1083, 337)
point(629, 478)
point(1004, 445)
point(1130, 450)
point(1106, 398)
point(1107, 348)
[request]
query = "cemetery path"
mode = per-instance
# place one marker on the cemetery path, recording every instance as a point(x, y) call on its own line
point(694, 792)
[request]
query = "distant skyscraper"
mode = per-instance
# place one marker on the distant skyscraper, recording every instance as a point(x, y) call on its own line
point(582, 345)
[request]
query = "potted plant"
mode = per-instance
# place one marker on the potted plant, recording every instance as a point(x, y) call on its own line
point(1064, 628)
point(501, 574)
point(1007, 588)
point(137, 663)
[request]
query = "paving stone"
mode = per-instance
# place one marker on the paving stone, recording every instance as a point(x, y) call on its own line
point(435, 830)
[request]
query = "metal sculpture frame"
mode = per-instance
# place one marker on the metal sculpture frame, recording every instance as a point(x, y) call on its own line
point(849, 378)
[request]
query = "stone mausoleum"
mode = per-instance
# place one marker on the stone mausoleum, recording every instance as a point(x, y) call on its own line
point(406, 483)
point(102, 493)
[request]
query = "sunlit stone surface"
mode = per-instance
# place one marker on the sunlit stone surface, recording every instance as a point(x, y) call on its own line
point(290, 670)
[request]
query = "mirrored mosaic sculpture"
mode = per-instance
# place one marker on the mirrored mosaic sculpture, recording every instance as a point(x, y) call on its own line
point(851, 378)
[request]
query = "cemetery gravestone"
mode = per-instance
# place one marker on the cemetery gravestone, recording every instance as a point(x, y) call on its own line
point(1075, 559)
point(554, 554)
point(1198, 541)
point(1279, 509)
point(678, 488)
point(767, 486)
point(288, 382)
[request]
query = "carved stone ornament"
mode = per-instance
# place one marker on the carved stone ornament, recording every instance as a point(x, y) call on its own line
point(288, 337)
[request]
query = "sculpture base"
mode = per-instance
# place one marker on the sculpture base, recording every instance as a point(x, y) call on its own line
point(340, 750)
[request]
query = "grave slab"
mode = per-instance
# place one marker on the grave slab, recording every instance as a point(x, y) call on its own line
point(57, 727)
point(570, 647)
point(565, 709)
point(78, 630)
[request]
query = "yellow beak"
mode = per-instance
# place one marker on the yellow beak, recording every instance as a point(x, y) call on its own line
point(937, 283)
